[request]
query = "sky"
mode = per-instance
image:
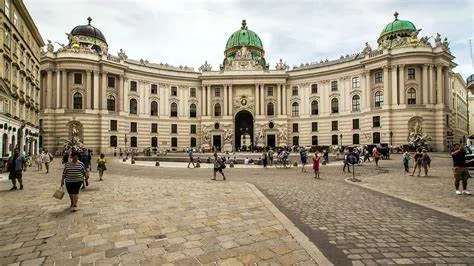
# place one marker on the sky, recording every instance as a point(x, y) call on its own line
point(185, 32)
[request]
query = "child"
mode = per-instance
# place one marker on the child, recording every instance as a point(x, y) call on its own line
point(406, 159)
point(376, 155)
point(316, 165)
point(101, 165)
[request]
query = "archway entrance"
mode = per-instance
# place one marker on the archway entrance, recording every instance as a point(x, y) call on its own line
point(243, 130)
point(4, 145)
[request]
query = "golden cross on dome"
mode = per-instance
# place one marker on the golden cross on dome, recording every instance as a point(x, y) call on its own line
point(396, 15)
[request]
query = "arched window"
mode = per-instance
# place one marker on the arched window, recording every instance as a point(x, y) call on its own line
point(217, 109)
point(111, 103)
point(295, 110)
point(270, 109)
point(192, 110)
point(378, 99)
point(77, 101)
point(334, 105)
point(174, 110)
point(411, 96)
point(356, 103)
point(314, 108)
point(113, 141)
point(154, 108)
point(133, 107)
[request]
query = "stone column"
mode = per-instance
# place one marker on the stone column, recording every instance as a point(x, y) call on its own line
point(88, 90)
point(446, 95)
point(225, 100)
point(387, 94)
point(439, 84)
point(49, 88)
point(257, 100)
point(278, 110)
point(432, 87)
point(403, 97)
point(394, 89)
point(64, 89)
point(285, 100)
point(58, 89)
point(124, 96)
point(103, 91)
point(230, 102)
point(262, 99)
point(203, 101)
point(146, 99)
point(367, 97)
point(425, 83)
point(96, 100)
point(208, 102)
point(121, 95)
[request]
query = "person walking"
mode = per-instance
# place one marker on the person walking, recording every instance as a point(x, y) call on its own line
point(264, 158)
point(46, 157)
point(316, 164)
point(303, 159)
point(218, 166)
point(425, 161)
point(16, 166)
point(101, 167)
point(83, 156)
point(376, 155)
point(346, 163)
point(89, 159)
point(270, 157)
point(191, 159)
point(417, 162)
point(73, 177)
point(325, 157)
point(460, 171)
point(406, 159)
point(39, 162)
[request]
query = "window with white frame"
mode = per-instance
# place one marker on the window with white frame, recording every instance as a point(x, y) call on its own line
point(355, 82)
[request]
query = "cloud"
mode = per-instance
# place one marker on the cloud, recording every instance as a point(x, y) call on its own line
point(185, 32)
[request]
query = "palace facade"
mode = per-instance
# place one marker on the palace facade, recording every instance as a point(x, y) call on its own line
point(20, 50)
point(376, 96)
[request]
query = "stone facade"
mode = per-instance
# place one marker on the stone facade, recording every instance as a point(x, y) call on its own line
point(20, 49)
point(370, 97)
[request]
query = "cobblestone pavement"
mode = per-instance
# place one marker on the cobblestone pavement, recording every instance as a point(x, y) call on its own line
point(130, 220)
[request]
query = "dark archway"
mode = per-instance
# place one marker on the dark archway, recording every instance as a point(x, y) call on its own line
point(243, 126)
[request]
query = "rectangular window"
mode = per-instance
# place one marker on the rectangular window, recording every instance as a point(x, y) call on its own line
point(355, 139)
point(154, 128)
point(111, 82)
point(314, 140)
point(192, 130)
point(378, 77)
point(295, 127)
point(355, 82)
point(296, 140)
point(270, 91)
point(154, 89)
point(77, 78)
point(217, 92)
point(355, 124)
point(174, 128)
point(314, 126)
point(334, 139)
point(376, 121)
point(174, 91)
point(174, 142)
point(113, 125)
point(314, 88)
point(334, 85)
point(192, 92)
point(133, 127)
point(334, 125)
point(411, 73)
point(294, 91)
point(133, 86)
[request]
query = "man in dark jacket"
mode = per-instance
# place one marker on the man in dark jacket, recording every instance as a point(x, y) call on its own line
point(16, 166)
point(461, 173)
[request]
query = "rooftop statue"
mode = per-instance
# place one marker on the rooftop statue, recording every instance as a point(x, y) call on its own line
point(281, 66)
point(50, 47)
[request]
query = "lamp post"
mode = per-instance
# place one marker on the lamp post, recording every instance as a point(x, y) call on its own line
point(391, 137)
point(341, 139)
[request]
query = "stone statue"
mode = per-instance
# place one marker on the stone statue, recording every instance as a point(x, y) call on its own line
point(416, 137)
point(205, 135)
point(282, 134)
point(50, 47)
point(122, 55)
point(228, 134)
point(438, 40)
point(243, 54)
point(281, 66)
point(260, 136)
point(367, 48)
point(205, 67)
point(446, 43)
point(75, 130)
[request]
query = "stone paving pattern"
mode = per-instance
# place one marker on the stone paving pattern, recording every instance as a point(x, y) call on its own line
point(130, 220)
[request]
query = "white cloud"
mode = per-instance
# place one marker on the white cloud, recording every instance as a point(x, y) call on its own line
point(186, 32)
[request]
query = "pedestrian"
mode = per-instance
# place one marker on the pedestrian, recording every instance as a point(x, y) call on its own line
point(316, 164)
point(376, 155)
point(191, 159)
point(270, 157)
point(73, 177)
point(264, 158)
point(83, 156)
point(101, 167)
point(417, 162)
point(304, 159)
point(39, 162)
point(89, 159)
point(16, 166)
point(346, 163)
point(65, 158)
point(460, 170)
point(425, 161)
point(325, 157)
point(46, 157)
point(406, 159)
point(218, 166)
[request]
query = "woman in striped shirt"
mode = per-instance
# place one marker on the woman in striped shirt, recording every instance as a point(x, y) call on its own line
point(73, 176)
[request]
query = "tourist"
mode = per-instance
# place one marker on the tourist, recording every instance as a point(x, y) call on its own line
point(73, 177)
point(304, 159)
point(191, 160)
point(325, 157)
point(425, 161)
point(246, 161)
point(270, 157)
point(89, 159)
point(376, 155)
point(46, 157)
point(346, 163)
point(316, 164)
point(417, 162)
point(101, 167)
point(406, 159)
point(198, 162)
point(16, 166)
point(264, 158)
point(460, 170)
point(219, 165)
point(39, 162)
point(83, 156)
point(366, 154)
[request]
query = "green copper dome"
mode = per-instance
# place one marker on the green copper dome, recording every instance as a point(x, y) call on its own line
point(397, 26)
point(244, 37)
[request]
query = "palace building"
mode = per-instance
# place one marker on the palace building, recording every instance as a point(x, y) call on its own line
point(20, 51)
point(376, 96)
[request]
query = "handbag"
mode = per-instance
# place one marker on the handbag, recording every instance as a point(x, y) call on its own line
point(59, 193)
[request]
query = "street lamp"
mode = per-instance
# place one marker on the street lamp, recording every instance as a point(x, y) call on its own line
point(391, 137)
point(341, 138)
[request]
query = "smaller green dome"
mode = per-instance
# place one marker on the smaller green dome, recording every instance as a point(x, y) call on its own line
point(397, 26)
point(244, 37)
